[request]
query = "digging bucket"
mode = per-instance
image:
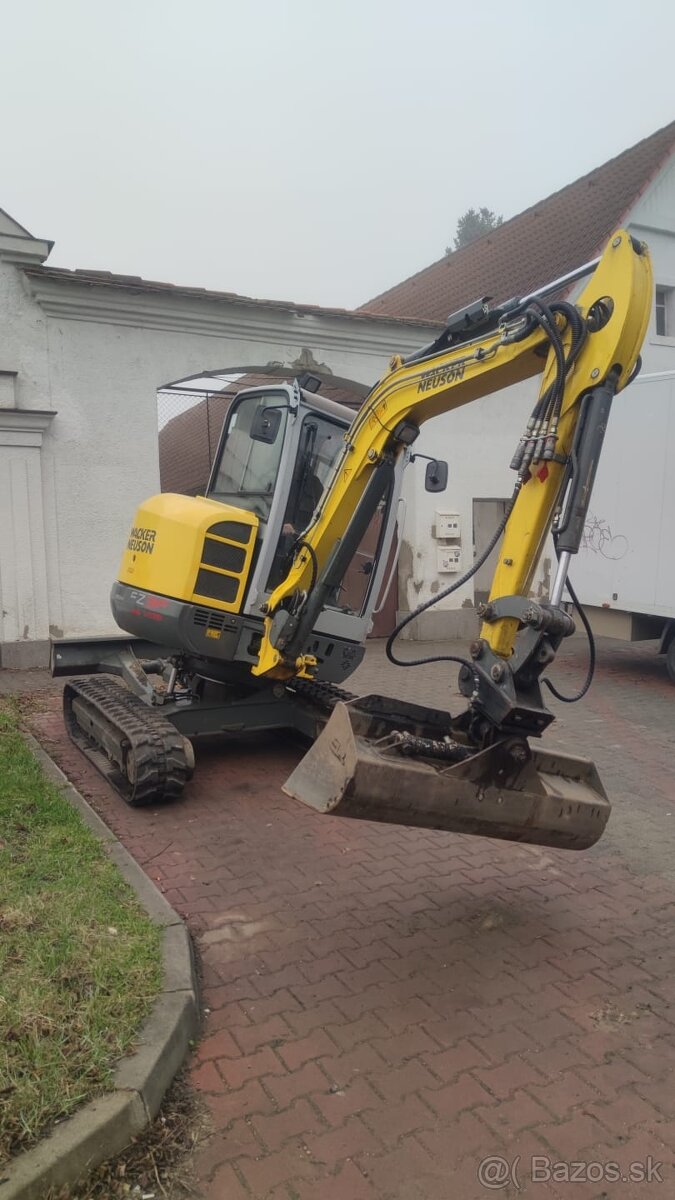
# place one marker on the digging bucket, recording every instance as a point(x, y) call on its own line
point(507, 791)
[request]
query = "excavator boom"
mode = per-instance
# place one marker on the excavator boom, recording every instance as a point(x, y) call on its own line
point(458, 370)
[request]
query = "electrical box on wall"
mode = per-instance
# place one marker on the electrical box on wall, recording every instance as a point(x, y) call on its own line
point(447, 525)
point(449, 559)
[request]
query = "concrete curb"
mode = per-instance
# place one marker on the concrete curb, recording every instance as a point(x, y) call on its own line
point(106, 1125)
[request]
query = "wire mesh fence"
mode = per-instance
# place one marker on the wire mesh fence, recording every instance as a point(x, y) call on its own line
point(190, 418)
point(190, 421)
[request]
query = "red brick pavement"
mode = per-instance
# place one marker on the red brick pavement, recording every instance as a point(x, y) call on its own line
point(388, 1007)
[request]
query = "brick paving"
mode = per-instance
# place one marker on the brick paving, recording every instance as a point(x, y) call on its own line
point(386, 1007)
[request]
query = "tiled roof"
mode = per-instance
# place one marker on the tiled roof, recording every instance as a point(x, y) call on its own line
point(544, 242)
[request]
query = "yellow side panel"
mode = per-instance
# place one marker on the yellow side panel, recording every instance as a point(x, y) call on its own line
point(166, 547)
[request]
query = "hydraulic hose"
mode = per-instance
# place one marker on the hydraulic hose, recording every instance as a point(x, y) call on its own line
point(453, 587)
point(591, 655)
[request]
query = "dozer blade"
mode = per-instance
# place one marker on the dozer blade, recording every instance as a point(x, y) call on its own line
point(505, 791)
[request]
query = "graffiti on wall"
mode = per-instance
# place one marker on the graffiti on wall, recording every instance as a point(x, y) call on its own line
point(599, 539)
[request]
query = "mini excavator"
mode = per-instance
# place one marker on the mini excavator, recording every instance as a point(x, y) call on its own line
point(248, 607)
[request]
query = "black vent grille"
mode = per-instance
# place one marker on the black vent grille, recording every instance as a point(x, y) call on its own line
point(217, 587)
point(221, 554)
point(207, 618)
point(236, 531)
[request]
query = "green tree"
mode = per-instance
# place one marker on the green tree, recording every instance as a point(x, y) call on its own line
point(473, 224)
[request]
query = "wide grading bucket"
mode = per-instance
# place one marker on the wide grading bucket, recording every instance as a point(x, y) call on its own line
point(505, 791)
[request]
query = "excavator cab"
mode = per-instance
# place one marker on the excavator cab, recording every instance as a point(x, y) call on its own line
point(276, 455)
point(197, 571)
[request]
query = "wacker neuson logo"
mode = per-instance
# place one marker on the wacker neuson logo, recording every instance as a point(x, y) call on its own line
point(440, 376)
point(142, 541)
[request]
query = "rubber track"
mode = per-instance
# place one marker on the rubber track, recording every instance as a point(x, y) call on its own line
point(162, 769)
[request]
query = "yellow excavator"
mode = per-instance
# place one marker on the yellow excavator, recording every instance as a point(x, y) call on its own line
point(247, 608)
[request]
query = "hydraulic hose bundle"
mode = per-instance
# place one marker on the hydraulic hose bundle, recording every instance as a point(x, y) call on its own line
point(539, 440)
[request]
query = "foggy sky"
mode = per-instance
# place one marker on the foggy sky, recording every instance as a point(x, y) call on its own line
point(306, 150)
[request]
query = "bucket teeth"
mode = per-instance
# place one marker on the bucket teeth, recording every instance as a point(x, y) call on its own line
point(506, 791)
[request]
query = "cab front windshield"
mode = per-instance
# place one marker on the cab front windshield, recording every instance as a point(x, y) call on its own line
point(246, 472)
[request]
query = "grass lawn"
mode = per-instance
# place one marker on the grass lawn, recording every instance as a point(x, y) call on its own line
point(80, 961)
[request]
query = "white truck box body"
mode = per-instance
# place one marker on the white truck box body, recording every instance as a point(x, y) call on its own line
point(626, 562)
